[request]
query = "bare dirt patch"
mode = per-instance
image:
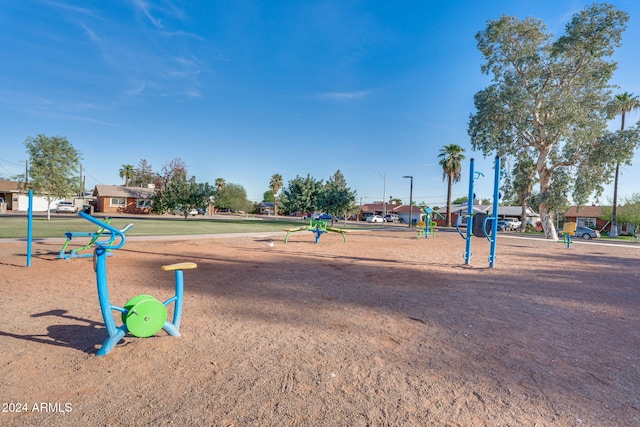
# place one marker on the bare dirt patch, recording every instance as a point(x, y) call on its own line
point(386, 329)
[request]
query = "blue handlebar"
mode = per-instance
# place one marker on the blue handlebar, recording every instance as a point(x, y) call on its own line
point(458, 221)
point(115, 233)
point(492, 236)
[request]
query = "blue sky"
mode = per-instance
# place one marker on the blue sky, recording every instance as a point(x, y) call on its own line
point(246, 89)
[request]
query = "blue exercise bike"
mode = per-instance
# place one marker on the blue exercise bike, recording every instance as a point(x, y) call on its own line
point(143, 315)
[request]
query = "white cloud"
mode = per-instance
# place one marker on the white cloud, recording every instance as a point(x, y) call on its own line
point(344, 96)
point(142, 5)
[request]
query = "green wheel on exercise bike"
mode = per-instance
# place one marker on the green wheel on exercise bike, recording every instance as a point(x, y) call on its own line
point(145, 316)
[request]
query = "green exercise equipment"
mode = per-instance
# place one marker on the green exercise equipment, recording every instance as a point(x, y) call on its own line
point(145, 316)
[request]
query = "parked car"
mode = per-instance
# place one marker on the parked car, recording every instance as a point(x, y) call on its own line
point(393, 218)
point(67, 207)
point(375, 218)
point(587, 233)
point(514, 223)
point(325, 217)
point(192, 212)
point(504, 225)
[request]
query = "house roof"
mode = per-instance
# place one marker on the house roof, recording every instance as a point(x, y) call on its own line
point(516, 211)
point(120, 191)
point(457, 209)
point(584, 211)
point(405, 209)
point(378, 207)
point(9, 186)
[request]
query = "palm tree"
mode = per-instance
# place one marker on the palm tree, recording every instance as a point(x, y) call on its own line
point(621, 104)
point(127, 172)
point(220, 183)
point(275, 184)
point(451, 158)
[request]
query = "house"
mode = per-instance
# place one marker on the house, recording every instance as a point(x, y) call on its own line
point(265, 208)
point(516, 212)
point(591, 216)
point(15, 199)
point(119, 199)
point(378, 208)
point(403, 212)
point(9, 192)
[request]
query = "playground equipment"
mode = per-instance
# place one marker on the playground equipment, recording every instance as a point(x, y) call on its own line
point(568, 231)
point(317, 227)
point(143, 315)
point(75, 253)
point(480, 224)
point(428, 226)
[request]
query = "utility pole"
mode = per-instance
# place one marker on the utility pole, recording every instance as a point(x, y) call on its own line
point(384, 194)
point(81, 184)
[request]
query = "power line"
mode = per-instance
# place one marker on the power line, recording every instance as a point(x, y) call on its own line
point(7, 161)
point(94, 178)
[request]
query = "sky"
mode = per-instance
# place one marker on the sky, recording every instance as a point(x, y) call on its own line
point(245, 89)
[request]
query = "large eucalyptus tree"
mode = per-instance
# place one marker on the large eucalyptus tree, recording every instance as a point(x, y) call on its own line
point(548, 97)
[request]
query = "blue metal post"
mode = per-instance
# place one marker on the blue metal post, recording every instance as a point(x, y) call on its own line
point(29, 228)
point(177, 309)
point(467, 254)
point(494, 223)
point(173, 328)
point(427, 221)
point(115, 333)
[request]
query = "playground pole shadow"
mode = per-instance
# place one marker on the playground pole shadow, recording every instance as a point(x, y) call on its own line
point(85, 338)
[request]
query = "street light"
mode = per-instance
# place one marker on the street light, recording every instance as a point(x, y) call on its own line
point(410, 198)
point(384, 192)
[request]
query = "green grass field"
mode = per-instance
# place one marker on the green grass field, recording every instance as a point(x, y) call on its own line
point(16, 227)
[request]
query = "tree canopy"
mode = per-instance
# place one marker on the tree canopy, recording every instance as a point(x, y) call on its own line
point(301, 194)
point(308, 195)
point(143, 175)
point(548, 97)
point(451, 157)
point(623, 145)
point(182, 194)
point(629, 212)
point(232, 197)
point(275, 184)
point(127, 172)
point(335, 198)
point(53, 167)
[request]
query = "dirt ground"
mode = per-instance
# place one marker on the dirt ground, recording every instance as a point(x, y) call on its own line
point(385, 330)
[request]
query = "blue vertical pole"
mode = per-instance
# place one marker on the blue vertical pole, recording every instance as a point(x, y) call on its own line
point(494, 223)
point(177, 308)
point(29, 228)
point(427, 222)
point(467, 254)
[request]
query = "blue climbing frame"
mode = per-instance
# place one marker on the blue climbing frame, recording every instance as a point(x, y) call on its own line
point(470, 216)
